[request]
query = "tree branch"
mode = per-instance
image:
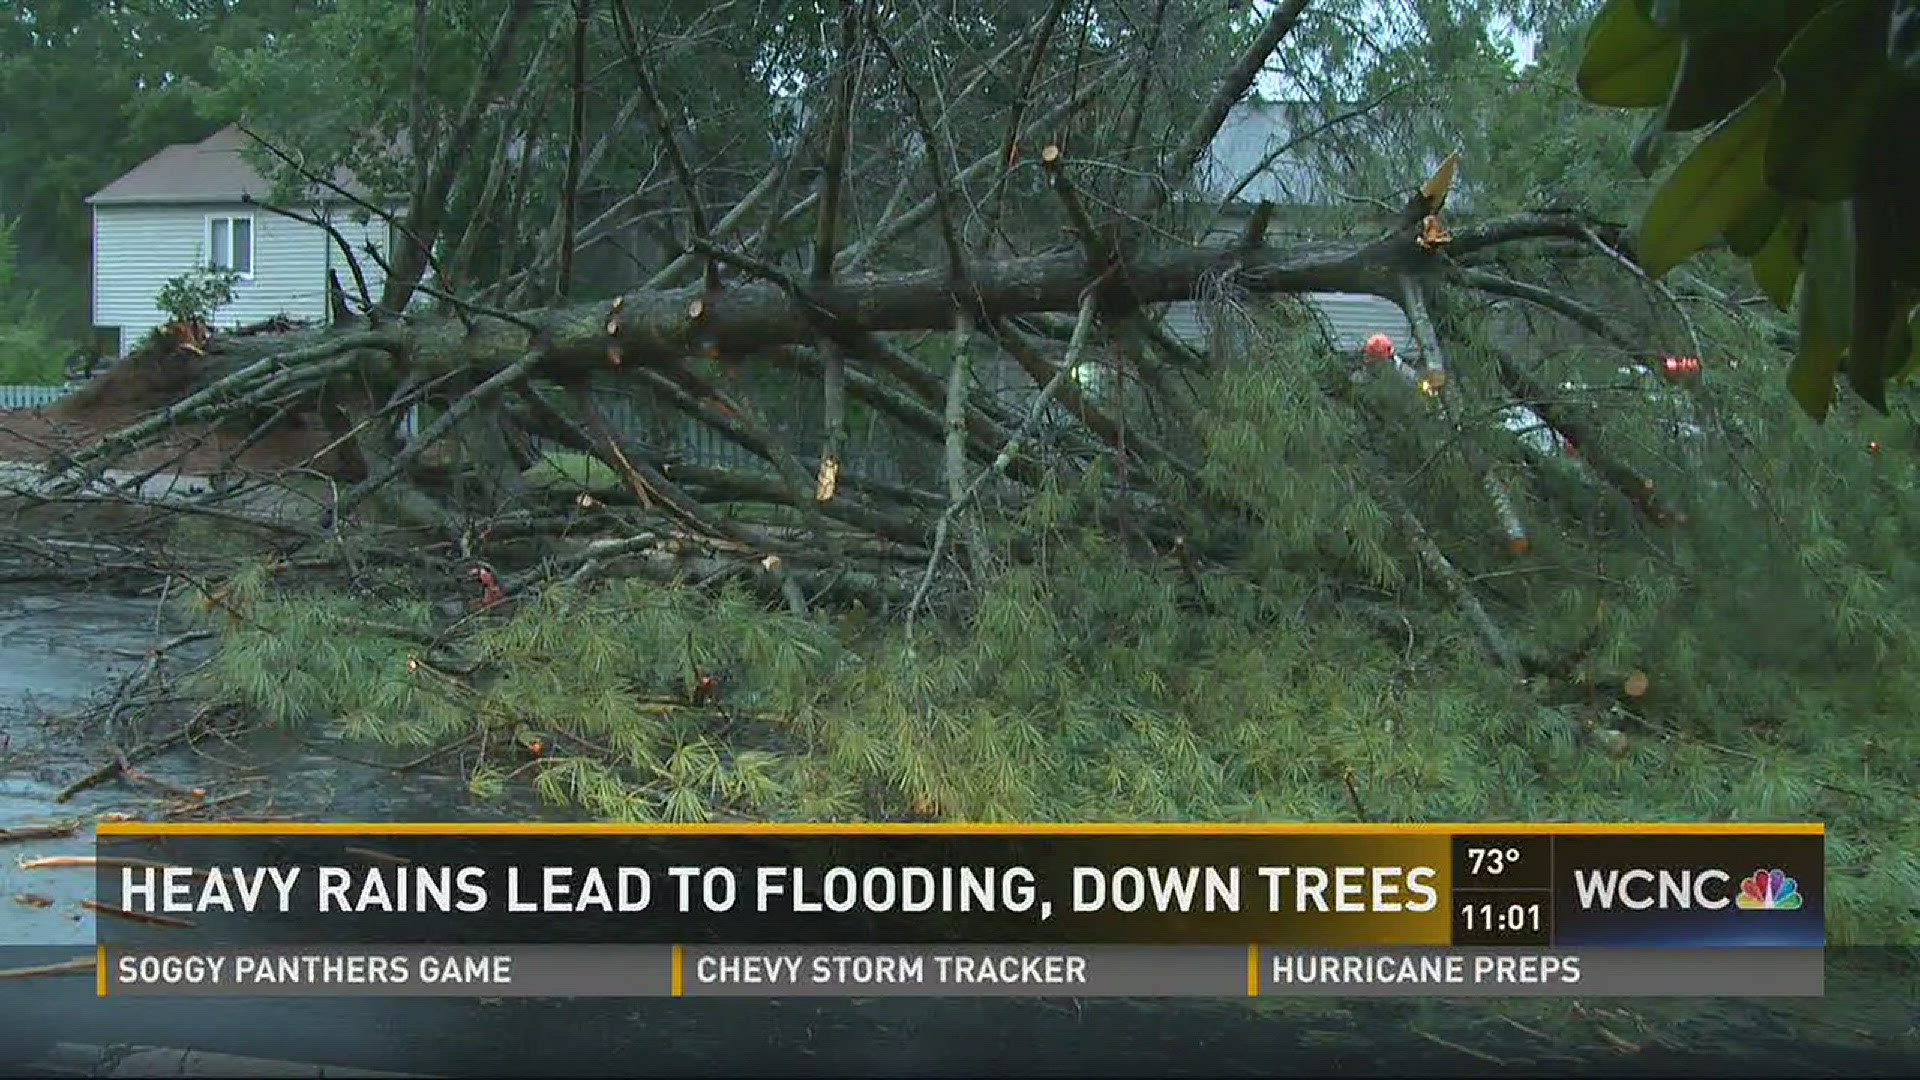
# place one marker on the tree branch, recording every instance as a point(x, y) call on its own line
point(1022, 100)
point(576, 132)
point(428, 207)
point(417, 106)
point(480, 395)
point(962, 497)
point(857, 255)
point(516, 124)
point(1567, 307)
point(1200, 135)
point(346, 249)
point(663, 129)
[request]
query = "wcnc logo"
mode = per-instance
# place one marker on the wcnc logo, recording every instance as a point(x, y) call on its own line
point(1684, 890)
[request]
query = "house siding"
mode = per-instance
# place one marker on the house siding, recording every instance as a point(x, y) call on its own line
point(1248, 134)
point(359, 234)
point(1348, 319)
point(137, 249)
point(1296, 185)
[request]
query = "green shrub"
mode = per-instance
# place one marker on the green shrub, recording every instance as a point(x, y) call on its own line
point(30, 352)
point(31, 355)
point(192, 298)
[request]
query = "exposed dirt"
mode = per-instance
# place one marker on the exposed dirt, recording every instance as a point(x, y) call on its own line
point(37, 437)
point(150, 379)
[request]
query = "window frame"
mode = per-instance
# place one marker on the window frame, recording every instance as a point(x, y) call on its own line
point(253, 246)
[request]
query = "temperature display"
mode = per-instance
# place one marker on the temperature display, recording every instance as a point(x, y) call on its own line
point(1502, 862)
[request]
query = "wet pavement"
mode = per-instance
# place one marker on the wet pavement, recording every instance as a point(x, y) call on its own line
point(57, 655)
point(58, 652)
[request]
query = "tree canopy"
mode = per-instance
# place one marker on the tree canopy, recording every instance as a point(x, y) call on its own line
point(90, 89)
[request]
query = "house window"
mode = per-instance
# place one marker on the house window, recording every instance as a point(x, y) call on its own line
point(230, 244)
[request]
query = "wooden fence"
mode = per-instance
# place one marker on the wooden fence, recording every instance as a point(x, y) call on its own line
point(875, 449)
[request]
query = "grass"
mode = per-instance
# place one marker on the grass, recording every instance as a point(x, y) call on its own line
point(572, 472)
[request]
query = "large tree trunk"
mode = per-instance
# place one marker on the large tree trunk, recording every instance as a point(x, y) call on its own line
point(750, 319)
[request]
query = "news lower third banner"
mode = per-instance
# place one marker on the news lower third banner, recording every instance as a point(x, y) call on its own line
point(871, 911)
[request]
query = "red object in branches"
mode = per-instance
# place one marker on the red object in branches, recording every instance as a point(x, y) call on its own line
point(1677, 368)
point(705, 690)
point(1379, 348)
point(1873, 447)
point(490, 591)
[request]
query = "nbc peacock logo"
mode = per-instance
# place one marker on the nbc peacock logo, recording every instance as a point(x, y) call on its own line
point(1769, 890)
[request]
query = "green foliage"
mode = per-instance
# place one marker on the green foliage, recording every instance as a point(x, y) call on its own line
point(1630, 63)
point(1443, 79)
point(191, 298)
point(1811, 101)
point(1297, 459)
point(90, 90)
point(30, 353)
point(1713, 192)
point(1097, 681)
point(339, 88)
point(1092, 693)
point(1779, 633)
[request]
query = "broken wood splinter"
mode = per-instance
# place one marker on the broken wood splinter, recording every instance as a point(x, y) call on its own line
point(137, 916)
point(77, 966)
point(58, 830)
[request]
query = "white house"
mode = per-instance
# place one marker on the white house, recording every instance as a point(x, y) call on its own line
point(185, 207)
point(1236, 172)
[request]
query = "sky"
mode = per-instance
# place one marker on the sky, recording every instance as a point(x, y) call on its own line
point(1271, 84)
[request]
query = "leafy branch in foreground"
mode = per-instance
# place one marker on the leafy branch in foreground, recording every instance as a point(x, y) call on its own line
point(1809, 106)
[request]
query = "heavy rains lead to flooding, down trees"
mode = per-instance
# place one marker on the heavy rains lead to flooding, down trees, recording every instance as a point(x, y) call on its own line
point(878, 250)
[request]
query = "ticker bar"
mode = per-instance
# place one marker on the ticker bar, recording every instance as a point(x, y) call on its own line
point(810, 829)
point(1110, 971)
point(1675, 887)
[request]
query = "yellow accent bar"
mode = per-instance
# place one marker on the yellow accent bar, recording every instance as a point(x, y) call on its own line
point(1253, 971)
point(679, 971)
point(335, 828)
point(100, 971)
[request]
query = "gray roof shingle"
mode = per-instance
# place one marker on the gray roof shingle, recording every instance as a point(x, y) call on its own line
point(211, 170)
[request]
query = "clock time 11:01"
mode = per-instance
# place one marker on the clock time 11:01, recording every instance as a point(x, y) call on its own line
point(1502, 918)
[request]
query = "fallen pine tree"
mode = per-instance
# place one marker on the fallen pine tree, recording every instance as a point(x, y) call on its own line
point(1258, 575)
